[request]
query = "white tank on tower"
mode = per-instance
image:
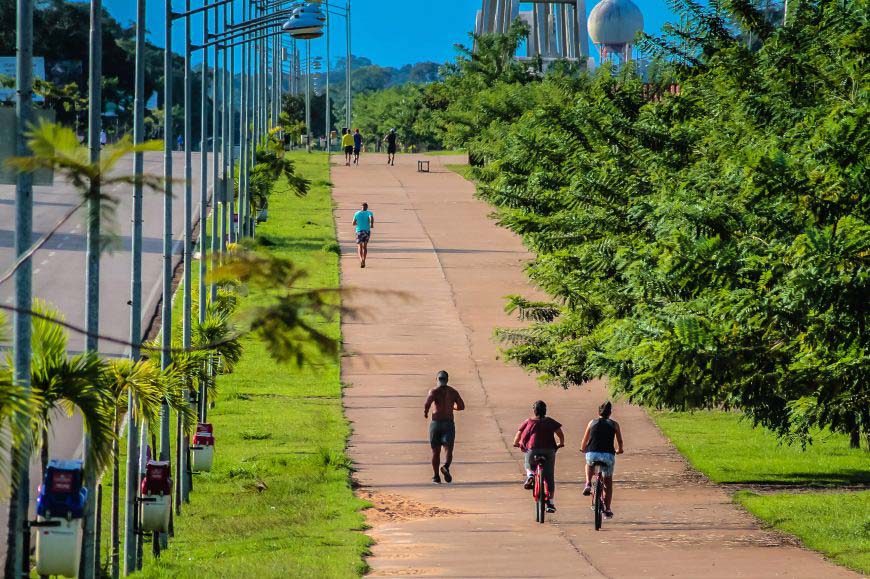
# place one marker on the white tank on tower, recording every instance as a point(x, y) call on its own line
point(613, 25)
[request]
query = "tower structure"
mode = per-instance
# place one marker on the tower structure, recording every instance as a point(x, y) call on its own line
point(558, 29)
point(612, 26)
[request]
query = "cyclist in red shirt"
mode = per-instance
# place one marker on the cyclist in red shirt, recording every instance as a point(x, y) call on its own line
point(538, 436)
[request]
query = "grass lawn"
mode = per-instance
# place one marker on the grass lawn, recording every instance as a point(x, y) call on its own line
point(728, 449)
point(278, 502)
point(463, 170)
point(448, 152)
point(844, 537)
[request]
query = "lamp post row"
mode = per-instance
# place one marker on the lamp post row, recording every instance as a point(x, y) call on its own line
point(259, 107)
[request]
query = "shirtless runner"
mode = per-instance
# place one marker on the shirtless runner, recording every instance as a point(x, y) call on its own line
point(442, 429)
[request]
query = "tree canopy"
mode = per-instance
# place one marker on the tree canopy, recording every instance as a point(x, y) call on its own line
point(704, 244)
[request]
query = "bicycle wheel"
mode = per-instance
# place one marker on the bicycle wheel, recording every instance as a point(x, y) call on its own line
point(541, 495)
point(596, 503)
point(542, 505)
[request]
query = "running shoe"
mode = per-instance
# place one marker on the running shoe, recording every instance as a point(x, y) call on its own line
point(436, 479)
point(530, 483)
point(608, 514)
point(446, 472)
point(587, 490)
point(551, 508)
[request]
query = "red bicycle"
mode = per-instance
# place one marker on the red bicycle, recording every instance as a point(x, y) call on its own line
point(541, 491)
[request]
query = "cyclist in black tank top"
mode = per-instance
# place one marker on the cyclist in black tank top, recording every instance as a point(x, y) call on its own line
point(602, 441)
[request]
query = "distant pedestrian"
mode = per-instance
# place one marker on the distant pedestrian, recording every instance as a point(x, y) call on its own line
point(104, 139)
point(391, 139)
point(347, 145)
point(357, 146)
point(364, 220)
point(179, 142)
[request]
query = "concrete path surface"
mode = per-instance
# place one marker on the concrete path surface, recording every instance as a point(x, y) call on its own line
point(435, 242)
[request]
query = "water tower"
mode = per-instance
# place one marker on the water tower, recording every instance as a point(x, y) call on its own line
point(612, 26)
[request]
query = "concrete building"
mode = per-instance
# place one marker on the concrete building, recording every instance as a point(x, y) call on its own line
point(558, 29)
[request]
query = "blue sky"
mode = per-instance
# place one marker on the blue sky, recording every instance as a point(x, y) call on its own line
point(390, 32)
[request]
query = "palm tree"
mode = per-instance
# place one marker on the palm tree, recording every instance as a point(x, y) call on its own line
point(70, 383)
point(144, 382)
point(226, 351)
point(15, 412)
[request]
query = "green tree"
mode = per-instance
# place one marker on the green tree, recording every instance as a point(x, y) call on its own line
point(702, 249)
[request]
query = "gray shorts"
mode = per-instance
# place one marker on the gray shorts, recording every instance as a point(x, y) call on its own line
point(442, 433)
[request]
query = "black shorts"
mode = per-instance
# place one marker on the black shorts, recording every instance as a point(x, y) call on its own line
point(356, 150)
point(391, 149)
point(363, 236)
point(348, 150)
point(442, 433)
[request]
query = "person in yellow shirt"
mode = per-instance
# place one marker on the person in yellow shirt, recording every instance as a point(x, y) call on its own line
point(347, 145)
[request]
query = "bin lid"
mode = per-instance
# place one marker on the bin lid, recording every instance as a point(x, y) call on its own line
point(62, 464)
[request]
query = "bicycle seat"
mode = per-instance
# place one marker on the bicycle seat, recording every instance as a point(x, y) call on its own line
point(539, 458)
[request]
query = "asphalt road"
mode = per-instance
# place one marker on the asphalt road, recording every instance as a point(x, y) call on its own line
point(59, 272)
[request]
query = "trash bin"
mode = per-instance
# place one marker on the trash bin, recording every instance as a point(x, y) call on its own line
point(156, 499)
point(202, 449)
point(60, 507)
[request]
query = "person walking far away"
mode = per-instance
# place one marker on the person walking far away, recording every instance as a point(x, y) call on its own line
point(104, 138)
point(598, 444)
point(391, 140)
point(357, 146)
point(442, 429)
point(364, 220)
point(347, 145)
point(537, 437)
point(179, 142)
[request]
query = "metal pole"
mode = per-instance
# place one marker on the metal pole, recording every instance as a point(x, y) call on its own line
point(244, 137)
point(328, 104)
point(219, 244)
point(18, 541)
point(229, 202)
point(347, 72)
point(181, 439)
point(166, 312)
point(203, 162)
point(90, 543)
point(132, 480)
point(218, 145)
point(308, 97)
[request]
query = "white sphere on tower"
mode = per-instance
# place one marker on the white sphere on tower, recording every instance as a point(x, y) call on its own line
point(613, 25)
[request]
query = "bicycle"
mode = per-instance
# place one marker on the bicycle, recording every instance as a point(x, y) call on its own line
point(541, 490)
point(598, 492)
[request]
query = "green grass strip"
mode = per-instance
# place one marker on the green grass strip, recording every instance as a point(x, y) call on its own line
point(728, 449)
point(836, 524)
point(278, 502)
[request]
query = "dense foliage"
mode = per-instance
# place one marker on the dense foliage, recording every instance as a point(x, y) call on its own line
point(703, 247)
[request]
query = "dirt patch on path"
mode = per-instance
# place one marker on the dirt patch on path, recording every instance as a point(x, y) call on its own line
point(390, 507)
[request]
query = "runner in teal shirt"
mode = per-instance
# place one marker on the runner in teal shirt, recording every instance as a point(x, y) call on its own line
point(364, 220)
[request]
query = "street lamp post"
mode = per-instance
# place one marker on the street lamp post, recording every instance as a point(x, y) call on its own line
point(328, 104)
point(347, 72)
point(90, 547)
point(203, 160)
point(18, 550)
point(230, 193)
point(132, 480)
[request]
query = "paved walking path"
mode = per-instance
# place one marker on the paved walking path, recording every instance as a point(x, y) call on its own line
point(434, 241)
